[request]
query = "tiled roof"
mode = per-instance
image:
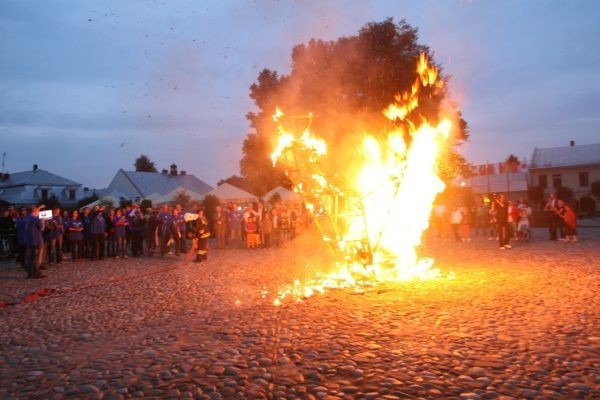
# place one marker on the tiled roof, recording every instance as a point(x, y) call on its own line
point(38, 177)
point(567, 156)
point(153, 182)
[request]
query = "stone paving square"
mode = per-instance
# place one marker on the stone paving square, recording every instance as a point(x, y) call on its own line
point(521, 323)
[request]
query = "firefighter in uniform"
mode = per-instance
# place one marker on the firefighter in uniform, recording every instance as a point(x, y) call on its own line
point(202, 233)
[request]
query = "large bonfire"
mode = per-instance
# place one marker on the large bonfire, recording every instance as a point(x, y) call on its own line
point(373, 214)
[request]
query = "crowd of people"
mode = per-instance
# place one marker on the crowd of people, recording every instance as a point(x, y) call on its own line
point(38, 237)
point(503, 220)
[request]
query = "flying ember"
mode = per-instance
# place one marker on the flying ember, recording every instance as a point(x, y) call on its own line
point(372, 216)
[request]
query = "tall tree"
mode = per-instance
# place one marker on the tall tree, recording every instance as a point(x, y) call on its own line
point(346, 84)
point(144, 164)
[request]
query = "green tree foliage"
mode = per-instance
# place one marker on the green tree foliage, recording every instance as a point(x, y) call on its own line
point(512, 159)
point(346, 84)
point(144, 164)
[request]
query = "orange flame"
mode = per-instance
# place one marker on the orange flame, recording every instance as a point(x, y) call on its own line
point(394, 190)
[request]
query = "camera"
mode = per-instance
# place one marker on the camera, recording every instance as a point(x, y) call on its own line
point(45, 214)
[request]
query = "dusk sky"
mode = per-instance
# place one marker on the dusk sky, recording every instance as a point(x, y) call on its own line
point(88, 86)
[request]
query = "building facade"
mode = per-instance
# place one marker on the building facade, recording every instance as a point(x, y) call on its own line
point(139, 185)
point(574, 167)
point(36, 186)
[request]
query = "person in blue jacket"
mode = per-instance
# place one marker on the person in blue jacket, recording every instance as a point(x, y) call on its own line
point(86, 219)
point(98, 230)
point(33, 241)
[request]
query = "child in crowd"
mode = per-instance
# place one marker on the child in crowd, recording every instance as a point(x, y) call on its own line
point(252, 231)
point(570, 219)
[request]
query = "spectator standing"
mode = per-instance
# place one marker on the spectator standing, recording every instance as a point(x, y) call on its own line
point(111, 238)
point(501, 207)
point(266, 228)
point(98, 230)
point(235, 227)
point(181, 232)
point(120, 225)
point(570, 219)
point(7, 235)
point(456, 217)
point(76, 235)
point(34, 242)
point(86, 219)
point(551, 215)
point(481, 214)
point(252, 231)
point(220, 223)
point(66, 222)
point(166, 234)
point(136, 229)
point(55, 237)
point(560, 214)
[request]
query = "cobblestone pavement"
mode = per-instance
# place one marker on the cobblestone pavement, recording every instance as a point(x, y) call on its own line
point(520, 323)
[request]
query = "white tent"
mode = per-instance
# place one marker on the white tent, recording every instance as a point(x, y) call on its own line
point(103, 200)
point(286, 195)
point(167, 198)
point(229, 193)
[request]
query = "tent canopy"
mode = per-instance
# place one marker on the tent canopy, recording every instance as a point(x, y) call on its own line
point(286, 195)
point(229, 193)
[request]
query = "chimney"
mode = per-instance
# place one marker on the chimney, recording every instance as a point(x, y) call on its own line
point(182, 173)
point(164, 171)
point(572, 143)
point(174, 169)
point(35, 167)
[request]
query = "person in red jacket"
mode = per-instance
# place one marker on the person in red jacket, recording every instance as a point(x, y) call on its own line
point(570, 219)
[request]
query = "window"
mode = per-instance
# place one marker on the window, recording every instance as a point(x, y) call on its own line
point(556, 181)
point(44, 194)
point(71, 194)
point(543, 181)
point(584, 179)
